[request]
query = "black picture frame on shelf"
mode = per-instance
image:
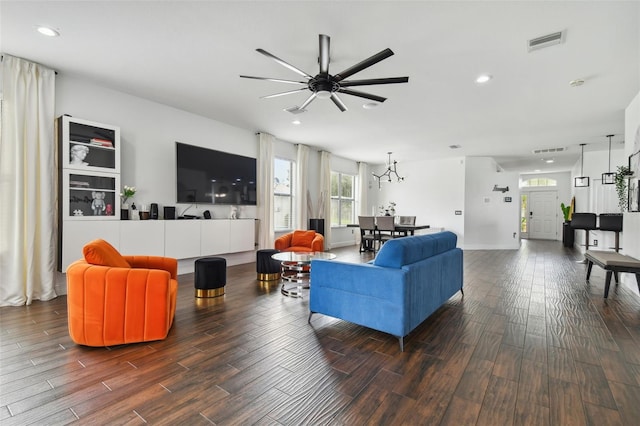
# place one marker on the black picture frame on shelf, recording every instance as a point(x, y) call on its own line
point(634, 195)
point(634, 183)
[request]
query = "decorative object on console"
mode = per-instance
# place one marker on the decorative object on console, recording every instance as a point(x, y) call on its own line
point(327, 86)
point(581, 181)
point(609, 178)
point(153, 211)
point(234, 212)
point(144, 212)
point(391, 169)
point(169, 213)
point(135, 213)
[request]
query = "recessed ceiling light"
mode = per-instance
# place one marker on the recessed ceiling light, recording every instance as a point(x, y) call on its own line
point(484, 78)
point(576, 83)
point(548, 160)
point(296, 122)
point(537, 170)
point(456, 146)
point(48, 31)
point(370, 105)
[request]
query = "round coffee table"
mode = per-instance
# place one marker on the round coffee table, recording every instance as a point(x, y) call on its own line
point(296, 270)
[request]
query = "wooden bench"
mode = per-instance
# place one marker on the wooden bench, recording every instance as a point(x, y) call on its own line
point(613, 263)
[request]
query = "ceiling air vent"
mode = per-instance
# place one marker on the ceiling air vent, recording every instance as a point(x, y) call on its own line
point(548, 150)
point(545, 41)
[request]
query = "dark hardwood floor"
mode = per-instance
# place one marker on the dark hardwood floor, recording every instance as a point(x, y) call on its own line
point(529, 343)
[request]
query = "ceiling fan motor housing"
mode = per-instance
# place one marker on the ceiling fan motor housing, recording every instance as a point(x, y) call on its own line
point(322, 84)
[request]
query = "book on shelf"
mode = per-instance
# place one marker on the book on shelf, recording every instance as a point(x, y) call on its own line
point(101, 142)
point(78, 184)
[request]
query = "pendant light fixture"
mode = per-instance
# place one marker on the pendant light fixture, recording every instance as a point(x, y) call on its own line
point(391, 170)
point(581, 181)
point(609, 178)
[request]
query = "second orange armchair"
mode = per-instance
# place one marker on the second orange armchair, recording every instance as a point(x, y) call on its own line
point(300, 241)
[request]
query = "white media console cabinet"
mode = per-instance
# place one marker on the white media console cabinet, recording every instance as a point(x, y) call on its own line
point(181, 239)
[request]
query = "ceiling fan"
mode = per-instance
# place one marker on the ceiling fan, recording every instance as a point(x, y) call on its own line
point(326, 86)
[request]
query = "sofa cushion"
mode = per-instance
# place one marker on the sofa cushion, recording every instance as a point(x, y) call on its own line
point(302, 238)
point(100, 252)
point(403, 251)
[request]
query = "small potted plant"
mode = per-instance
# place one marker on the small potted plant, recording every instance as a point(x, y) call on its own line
point(622, 182)
point(566, 212)
point(127, 192)
point(567, 231)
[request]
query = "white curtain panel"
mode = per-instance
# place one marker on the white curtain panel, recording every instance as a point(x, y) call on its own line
point(28, 188)
point(265, 191)
point(302, 182)
point(363, 188)
point(325, 194)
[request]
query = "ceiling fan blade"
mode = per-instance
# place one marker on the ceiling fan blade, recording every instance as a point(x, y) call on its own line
point(370, 81)
point(323, 58)
point(362, 95)
point(308, 101)
point(364, 64)
point(275, 95)
point(283, 63)
point(336, 100)
point(277, 80)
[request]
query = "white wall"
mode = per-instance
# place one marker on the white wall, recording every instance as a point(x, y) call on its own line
point(148, 134)
point(432, 191)
point(631, 224)
point(490, 222)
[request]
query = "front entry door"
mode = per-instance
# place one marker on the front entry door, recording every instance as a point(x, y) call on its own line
point(543, 215)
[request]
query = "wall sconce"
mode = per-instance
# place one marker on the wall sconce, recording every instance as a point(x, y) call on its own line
point(609, 178)
point(498, 189)
point(581, 181)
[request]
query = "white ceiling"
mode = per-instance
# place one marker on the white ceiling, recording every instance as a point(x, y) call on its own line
point(190, 54)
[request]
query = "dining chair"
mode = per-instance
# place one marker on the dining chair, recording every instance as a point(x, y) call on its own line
point(367, 226)
point(406, 220)
point(386, 228)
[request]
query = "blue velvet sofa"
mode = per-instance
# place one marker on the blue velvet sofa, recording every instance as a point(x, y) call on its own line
point(408, 280)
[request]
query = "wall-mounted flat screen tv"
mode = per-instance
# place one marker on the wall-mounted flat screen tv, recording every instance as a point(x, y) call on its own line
point(214, 177)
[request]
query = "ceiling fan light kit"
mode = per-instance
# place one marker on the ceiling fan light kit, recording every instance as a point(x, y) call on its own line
point(327, 86)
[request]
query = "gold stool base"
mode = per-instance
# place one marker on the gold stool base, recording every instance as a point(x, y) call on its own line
point(269, 277)
point(215, 292)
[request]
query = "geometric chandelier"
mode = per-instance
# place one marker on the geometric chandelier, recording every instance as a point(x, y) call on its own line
point(609, 178)
point(391, 169)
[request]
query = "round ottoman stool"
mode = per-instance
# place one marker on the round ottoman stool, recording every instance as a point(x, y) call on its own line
point(210, 276)
point(267, 268)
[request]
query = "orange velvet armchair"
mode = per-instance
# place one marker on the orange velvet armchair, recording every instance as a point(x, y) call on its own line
point(114, 299)
point(300, 241)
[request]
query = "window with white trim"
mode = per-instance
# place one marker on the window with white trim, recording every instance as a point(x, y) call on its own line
point(343, 201)
point(283, 194)
point(539, 182)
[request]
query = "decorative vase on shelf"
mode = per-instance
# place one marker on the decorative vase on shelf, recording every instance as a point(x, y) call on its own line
point(124, 211)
